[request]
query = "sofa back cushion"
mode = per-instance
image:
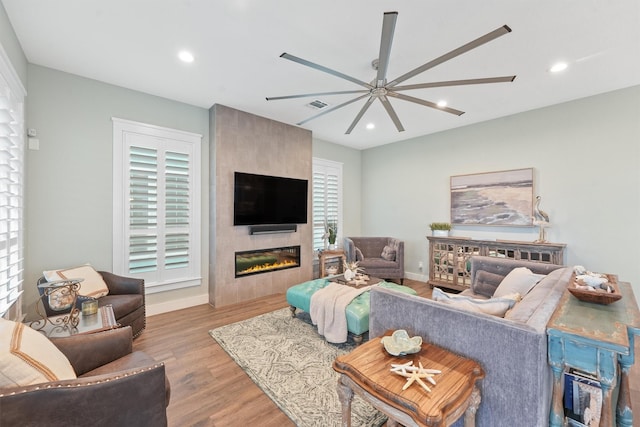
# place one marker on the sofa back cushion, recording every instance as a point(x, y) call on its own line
point(487, 272)
point(537, 307)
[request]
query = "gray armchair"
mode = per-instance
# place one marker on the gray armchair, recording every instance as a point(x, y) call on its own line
point(115, 387)
point(381, 257)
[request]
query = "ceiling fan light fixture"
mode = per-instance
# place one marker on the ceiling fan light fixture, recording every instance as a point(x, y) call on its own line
point(442, 103)
point(186, 56)
point(370, 126)
point(558, 67)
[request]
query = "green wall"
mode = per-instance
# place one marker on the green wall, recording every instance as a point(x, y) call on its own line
point(69, 179)
point(586, 160)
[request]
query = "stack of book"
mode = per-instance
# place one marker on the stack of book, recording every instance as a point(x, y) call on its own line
point(582, 399)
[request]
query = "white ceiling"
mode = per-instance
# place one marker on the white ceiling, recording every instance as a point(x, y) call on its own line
point(237, 44)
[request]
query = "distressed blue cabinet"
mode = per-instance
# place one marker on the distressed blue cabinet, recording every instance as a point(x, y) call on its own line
point(597, 339)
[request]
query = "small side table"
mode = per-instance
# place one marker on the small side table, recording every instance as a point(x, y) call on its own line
point(103, 320)
point(328, 254)
point(597, 339)
point(366, 371)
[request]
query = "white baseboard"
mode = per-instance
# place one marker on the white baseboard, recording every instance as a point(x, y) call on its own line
point(165, 307)
point(416, 276)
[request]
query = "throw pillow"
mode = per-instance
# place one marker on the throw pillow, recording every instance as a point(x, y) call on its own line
point(93, 284)
point(494, 306)
point(359, 256)
point(519, 280)
point(28, 357)
point(388, 253)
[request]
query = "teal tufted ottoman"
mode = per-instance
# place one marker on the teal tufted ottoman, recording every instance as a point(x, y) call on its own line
point(299, 296)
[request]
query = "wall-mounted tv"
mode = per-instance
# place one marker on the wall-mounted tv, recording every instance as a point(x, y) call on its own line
point(262, 200)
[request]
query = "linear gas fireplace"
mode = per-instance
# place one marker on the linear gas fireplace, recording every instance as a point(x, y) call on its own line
point(266, 260)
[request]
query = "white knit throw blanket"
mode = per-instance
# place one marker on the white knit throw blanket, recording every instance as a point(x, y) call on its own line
point(328, 310)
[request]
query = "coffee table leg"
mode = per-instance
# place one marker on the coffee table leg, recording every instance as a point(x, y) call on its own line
point(345, 394)
point(474, 403)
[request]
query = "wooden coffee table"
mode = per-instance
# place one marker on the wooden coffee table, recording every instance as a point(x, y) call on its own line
point(366, 371)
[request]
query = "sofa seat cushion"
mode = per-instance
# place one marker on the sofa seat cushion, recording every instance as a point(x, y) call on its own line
point(28, 357)
point(134, 360)
point(377, 263)
point(122, 304)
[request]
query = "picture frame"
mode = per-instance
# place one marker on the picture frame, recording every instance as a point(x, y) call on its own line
point(502, 198)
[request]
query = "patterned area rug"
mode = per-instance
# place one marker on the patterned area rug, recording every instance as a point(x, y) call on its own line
point(291, 363)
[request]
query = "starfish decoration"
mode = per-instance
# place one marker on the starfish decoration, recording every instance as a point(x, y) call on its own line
point(415, 374)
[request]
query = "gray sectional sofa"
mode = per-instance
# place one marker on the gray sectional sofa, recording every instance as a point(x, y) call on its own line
point(512, 350)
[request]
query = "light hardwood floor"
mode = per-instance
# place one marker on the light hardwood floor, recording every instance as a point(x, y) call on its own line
point(208, 388)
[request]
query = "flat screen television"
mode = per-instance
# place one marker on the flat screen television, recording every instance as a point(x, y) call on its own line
point(266, 200)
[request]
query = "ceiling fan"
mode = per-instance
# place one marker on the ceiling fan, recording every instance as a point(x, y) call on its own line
point(381, 89)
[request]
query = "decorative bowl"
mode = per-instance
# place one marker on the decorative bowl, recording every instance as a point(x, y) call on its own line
point(400, 344)
point(596, 297)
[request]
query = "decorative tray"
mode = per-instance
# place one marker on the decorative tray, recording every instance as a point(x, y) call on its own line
point(596, 296)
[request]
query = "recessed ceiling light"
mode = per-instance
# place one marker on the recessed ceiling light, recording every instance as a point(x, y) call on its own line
point(185, 56)
point(370, 126)
point(558, 67)
point(442, 103)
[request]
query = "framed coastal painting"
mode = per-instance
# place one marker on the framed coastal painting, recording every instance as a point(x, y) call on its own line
point(493, 198)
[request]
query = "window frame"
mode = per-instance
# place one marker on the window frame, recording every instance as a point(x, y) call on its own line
point(12, 230)
point(128, 133)
point(327, 166)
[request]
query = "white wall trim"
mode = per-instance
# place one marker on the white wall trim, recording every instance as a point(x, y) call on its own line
point(10, 74)
point(177, 304)
point(415, 276)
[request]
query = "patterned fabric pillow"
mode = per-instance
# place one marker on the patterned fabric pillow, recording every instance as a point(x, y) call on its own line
point(388, 253)
point(28, 357)
point(93, 284)
point(519, 280)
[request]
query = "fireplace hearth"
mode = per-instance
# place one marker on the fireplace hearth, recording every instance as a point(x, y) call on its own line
point(266, 260)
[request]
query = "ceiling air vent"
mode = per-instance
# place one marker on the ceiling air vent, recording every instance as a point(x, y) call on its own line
point(316, 104)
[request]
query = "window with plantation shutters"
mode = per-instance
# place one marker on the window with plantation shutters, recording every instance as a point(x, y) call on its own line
point(327, 199)
point(11, 191)
point(157, 205)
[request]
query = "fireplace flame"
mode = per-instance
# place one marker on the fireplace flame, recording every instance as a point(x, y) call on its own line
point(268, 266)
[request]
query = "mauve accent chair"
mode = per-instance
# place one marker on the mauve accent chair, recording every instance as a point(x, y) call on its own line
point(381, 257)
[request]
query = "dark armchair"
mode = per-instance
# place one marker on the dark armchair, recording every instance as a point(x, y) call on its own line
point(115, 387)
point(126, 296)
point(381, 257)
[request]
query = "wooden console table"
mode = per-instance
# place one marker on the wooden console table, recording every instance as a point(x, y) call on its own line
point(599, 340)
point(365, 371)
point(449, 257)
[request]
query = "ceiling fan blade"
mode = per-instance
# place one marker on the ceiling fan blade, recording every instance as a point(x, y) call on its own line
point(325, 69)
point(388, 28)
point(363, 110)
point(456, 52)
point(425, 103)
point(306, 95)
point(505, 79)
point(328, 110)
point(392, 113)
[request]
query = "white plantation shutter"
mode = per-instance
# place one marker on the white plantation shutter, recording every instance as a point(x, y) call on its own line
point(157, 195)
point(11, 191)
point(327, 198)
